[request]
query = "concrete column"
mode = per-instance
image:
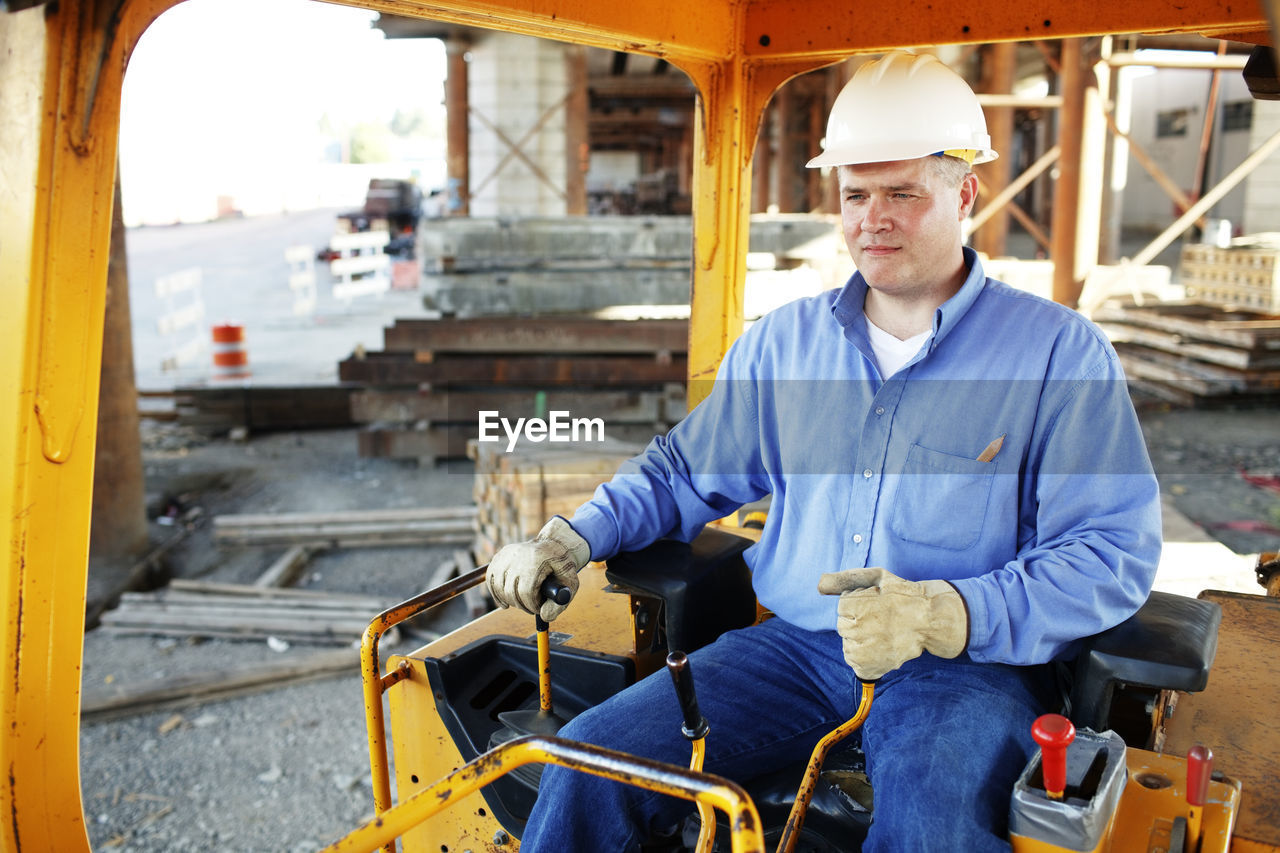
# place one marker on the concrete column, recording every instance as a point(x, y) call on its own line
point(1066, 193)
point(1117, 159)
point(458, 141)
point(999, 64)
point(518, 93)
point(1262, 190)
point(577, 149)
point(1096, 91)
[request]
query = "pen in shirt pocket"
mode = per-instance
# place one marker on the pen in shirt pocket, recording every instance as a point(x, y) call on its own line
point(992, 449)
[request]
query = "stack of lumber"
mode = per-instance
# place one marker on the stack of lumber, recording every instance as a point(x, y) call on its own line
point(217, 410)
point(422, 395)
point(517, 492)
point(1196, 354)
point(348, 528)
point(244, 612)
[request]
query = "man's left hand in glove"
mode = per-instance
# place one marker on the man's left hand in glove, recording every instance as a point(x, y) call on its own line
point(886, 621)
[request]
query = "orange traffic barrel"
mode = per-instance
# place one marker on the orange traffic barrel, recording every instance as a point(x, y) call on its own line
point(230, 357)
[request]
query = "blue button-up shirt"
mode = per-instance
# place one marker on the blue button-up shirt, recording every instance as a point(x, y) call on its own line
point(1054, 538)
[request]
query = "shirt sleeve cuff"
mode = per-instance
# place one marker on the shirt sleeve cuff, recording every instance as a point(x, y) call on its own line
point(599, 531)
point(979, 623)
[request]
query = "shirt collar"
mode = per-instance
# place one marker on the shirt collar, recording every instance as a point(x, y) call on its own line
point(847, 307)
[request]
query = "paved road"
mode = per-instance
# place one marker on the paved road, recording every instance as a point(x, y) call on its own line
point(245, 280)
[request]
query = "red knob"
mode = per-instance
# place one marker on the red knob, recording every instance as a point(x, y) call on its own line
point(1054, 733)
point(1199, 768)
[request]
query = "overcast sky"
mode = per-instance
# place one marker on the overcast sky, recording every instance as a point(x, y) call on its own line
point(224, 93)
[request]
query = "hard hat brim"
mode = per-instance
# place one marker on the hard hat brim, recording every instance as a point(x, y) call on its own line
point(854, 155)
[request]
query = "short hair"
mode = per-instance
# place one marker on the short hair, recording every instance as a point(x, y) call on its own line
point(950, 169)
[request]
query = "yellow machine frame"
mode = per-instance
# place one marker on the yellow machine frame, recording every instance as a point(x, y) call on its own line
point(61, 70)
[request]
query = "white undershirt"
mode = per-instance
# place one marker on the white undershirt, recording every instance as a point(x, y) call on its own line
point(891, 353)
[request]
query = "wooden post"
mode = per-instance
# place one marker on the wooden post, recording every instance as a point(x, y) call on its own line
point(119, 526)
point(1066, 194)
point(458, 134)
point(762, 173)
point(815, 198)
point(785, 170)
point(999, 62)
point(577, 148)
point(1201, 176)
point(684, 161)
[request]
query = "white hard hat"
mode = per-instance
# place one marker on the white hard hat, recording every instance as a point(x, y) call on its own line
point(904, 106)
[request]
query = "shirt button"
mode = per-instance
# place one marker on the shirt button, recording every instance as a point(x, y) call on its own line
point(868, 473)
point(857, 537)
point(879, 410)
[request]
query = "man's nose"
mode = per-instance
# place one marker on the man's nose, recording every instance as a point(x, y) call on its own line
point(874, 216)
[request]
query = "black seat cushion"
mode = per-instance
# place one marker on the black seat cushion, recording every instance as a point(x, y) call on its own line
point(705, 585)
point(1169, 644)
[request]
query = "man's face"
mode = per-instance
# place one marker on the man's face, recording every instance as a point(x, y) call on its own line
point(902, 224)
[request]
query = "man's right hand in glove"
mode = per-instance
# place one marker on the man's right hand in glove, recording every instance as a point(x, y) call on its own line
point(517, 571)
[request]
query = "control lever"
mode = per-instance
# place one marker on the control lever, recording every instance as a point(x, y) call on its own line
point(1054, 733)
point(552, 590)
point(544, 721)
point(1199, 770)
point(800, 807)
point(695, 728)
point(695, 725)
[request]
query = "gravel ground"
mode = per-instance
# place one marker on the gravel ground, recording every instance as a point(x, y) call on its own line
point(281, 770)
point(1203, 457)
point(287, 769)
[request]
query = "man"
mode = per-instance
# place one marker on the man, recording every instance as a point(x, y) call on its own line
point(960, 491)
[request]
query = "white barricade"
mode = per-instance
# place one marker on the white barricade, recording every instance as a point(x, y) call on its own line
point(181, 324)
point(302, 278)
point(362, 267)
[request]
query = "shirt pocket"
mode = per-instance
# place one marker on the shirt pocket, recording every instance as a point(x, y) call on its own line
point(942, 499)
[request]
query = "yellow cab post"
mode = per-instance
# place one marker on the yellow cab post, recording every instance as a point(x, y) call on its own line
point(61, 70)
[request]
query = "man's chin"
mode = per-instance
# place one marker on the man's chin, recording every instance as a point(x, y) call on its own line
point(881, 275)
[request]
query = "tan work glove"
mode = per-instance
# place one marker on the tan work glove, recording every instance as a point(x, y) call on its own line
point(517, 571)
point(886, 621)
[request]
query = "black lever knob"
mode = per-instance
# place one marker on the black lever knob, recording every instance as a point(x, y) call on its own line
point(553, 590)
point(695, 725)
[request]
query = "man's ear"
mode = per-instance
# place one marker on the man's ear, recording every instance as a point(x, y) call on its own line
point(968, 194)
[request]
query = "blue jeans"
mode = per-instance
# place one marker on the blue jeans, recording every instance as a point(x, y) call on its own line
point(944, 742)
